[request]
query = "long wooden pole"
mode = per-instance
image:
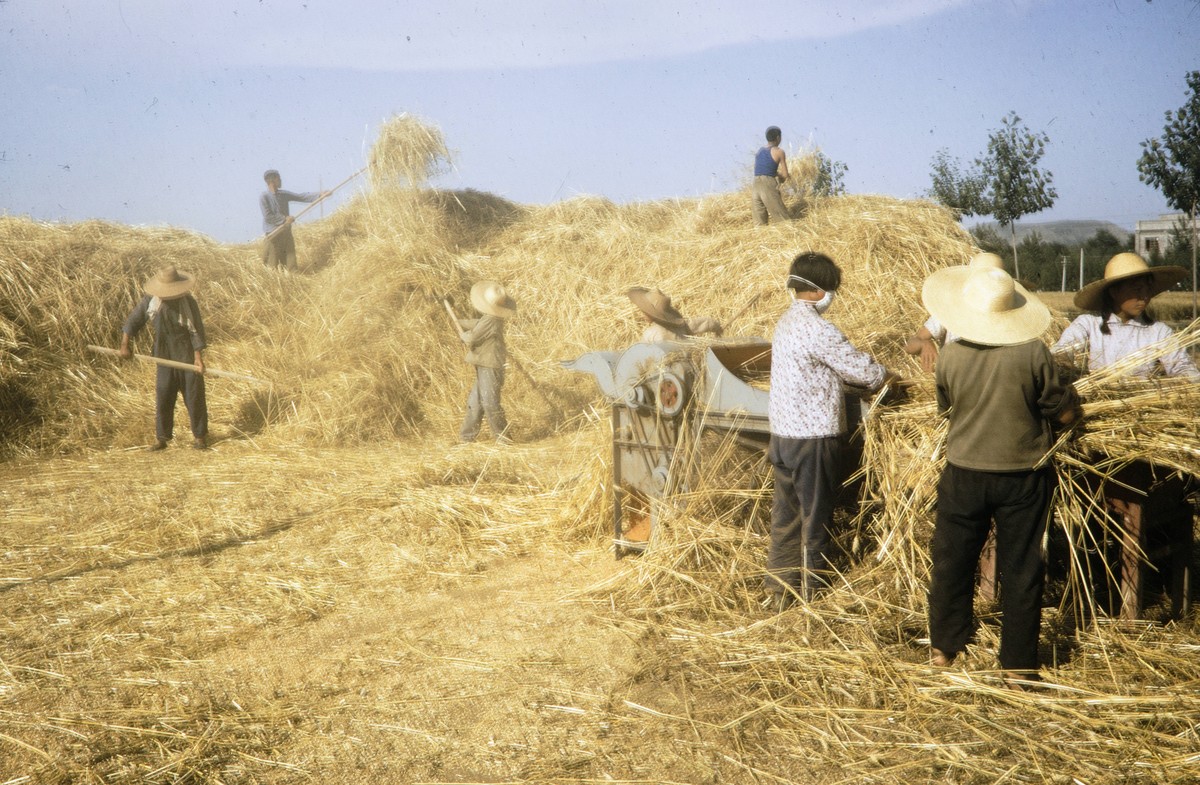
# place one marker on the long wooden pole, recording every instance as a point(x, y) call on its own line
point(316, 202)
point(180, 365)
point(741, 312)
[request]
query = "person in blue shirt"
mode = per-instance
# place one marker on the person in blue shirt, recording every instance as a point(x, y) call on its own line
point(770, 169)
point(279, 249)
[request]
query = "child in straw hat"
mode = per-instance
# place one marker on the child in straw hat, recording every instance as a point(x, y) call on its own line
point(484, 338)
point(1000, 389)
point(811, 364)
point(664, 321)
point(170, 309)
point(932, 336)
point(1121, 324)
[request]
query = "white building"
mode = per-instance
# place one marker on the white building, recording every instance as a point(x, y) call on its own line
point(1154, 236)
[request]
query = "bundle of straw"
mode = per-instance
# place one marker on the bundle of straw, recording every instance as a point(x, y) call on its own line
point(407, 152)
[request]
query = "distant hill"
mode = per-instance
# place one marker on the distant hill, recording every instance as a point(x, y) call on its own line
point(1066, 232)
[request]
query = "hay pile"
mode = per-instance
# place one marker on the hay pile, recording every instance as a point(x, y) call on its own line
point(361, 356)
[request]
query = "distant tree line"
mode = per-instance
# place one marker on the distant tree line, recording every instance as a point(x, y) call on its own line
point(1006, 182)
point(1046, 264)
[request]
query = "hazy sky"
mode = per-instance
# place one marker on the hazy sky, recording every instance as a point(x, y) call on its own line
point(164, 112)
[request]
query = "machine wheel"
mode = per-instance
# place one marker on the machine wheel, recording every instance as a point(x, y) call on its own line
point(671, 394)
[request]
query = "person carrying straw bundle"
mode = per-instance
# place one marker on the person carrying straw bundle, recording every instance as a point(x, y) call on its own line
point(171, 310)
point(812, 363)
point(664, 322)
point(484, 338)
point(1118, 325)
point(1002, 393)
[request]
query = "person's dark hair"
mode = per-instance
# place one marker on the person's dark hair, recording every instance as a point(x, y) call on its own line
point(817, 268)
point(774, 134)
point(1108, 307)
point(270, 175)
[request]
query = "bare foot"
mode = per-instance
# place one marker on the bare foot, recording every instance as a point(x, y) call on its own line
point(940, 659)
point(1021, 680)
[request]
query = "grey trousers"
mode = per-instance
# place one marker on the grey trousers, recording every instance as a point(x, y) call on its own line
point(767, 201)
point(806, 483)
point(484, 400)
point(280, 252)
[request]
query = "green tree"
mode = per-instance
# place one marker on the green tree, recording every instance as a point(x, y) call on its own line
point(962, 190)
point(830, 176)
point(1016, 187)
point(1172, 163)
point(1005, 182)
point(988, 239)
point(1182, 244)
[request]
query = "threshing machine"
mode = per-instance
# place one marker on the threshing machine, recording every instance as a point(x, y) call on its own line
point(663, 396)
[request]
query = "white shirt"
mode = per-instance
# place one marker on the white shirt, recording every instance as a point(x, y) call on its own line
point(938, 331)
point(811, 363)
point(1123, 339)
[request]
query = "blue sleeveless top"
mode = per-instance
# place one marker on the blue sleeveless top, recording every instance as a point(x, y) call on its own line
point(764, 164)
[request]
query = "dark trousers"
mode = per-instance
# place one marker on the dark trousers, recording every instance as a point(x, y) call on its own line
point(170, 382)
point(968, 501)
point(484, 400)
point(806, 482)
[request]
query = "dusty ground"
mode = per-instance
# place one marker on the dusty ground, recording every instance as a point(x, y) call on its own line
point(436, 613)
point(248, 614)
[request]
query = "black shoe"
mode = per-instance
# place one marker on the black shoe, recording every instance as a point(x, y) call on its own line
point(200, 443)
point(158, 445)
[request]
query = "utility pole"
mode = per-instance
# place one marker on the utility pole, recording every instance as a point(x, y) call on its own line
point(1062, 260)
point(1080, 269)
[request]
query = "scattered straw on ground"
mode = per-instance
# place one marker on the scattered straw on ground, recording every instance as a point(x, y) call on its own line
point(336, 593)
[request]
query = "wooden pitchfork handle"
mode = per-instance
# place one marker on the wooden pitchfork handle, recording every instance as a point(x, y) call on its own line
point(511, 356)
point(180, 365)
point(314, 203)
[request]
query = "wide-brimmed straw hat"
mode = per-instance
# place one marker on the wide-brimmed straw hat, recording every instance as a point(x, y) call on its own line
point(168, 283)
point(984, 305)
point(657, 305)
point(1124, 266)
point(489, 297)
point(986, 261)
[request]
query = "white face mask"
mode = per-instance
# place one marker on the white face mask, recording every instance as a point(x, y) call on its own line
point(826, 300)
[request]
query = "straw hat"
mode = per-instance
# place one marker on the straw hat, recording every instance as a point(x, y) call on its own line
point(489, 297)
point(984, 305)
point(986, 261)
point(168, 283)
point(1121, 267)
point(657, 305)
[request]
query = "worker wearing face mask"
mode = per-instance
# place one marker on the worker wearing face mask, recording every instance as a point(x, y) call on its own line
point(812, 363)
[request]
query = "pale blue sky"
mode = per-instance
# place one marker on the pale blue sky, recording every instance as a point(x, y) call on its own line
point(163, 112)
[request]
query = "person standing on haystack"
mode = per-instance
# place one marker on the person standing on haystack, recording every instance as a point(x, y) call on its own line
point(279, 250)
point(1003, 395)
point(484, 338)
point(770, 170)
point(665, 322)
point(171, 310)
point(812, 364)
